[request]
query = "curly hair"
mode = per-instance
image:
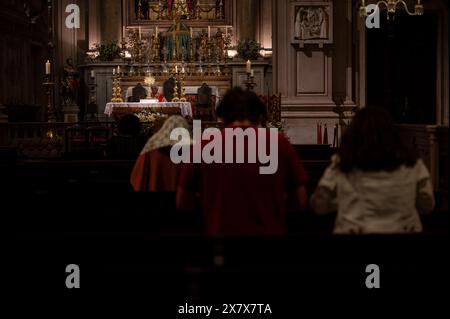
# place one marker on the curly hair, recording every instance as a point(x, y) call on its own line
point(239, 105)
point(372, 143)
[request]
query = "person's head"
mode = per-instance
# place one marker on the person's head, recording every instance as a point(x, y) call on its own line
point(161, 139)
point(238, 106)
point(372, 143)
point(129, 125)
point(154, 89)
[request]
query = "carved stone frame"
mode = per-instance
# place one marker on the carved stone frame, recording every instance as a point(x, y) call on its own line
point(328, 8)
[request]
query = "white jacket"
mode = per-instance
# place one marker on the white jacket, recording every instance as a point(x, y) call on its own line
point(375, 202)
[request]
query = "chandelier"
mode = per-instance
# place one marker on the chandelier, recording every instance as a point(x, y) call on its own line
point(392, 5)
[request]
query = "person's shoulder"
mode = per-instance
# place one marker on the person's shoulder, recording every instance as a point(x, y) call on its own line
point(282, 138)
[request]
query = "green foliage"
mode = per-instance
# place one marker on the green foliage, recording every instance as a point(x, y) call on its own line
point(248, 49)
point(108, 51)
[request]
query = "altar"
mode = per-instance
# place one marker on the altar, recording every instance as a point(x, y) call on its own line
point(168, 108)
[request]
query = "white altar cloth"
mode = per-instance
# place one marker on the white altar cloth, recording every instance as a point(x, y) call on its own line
point(186, 107)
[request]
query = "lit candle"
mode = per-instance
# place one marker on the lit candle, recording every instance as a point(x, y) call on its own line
point(249, 67)
point(92, 74)
point(252, 73)
point(209, 31)
point(47, 67)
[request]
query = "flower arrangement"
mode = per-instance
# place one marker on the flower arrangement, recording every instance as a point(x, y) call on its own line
point(248, 49)
point(278, 125)
point(153, 121)
point(107, 52)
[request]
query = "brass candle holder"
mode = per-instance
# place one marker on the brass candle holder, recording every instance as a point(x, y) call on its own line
point(117, 91)
point(209, 72)
point(140, 14)
point(183, 89)
point(48, 85)
point(250, 83)
point(175, 90)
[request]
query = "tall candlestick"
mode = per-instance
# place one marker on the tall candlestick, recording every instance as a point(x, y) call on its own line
point(249, 67)
point(47, 67)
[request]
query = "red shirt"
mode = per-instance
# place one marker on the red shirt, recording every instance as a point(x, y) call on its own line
point(238, 200)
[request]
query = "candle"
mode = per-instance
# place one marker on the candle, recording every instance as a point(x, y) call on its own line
point(92, 74)
point(156, 32)
point(114, 71)
point(191, 33)
point(226, 32)
point(252, 73)
point(118, 69)
point(249, 67)
point(123, 33)
point(363, 3)
point(47, 67)
point(140, 36)
point(176, 69)
point(209, 31)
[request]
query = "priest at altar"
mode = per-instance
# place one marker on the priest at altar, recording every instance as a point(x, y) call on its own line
point(190, 90)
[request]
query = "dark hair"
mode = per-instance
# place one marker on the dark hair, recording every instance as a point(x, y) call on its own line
point(372, 143)
point(129, 125)
point(240, 105)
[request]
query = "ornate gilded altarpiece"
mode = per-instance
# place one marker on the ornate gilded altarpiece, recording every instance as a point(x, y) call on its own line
point(195, 13)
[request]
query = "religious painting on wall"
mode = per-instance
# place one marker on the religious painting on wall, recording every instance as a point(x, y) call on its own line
point(312, 22)
point(162, 12)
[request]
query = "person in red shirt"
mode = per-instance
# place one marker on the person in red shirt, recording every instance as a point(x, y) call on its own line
point(236, 199)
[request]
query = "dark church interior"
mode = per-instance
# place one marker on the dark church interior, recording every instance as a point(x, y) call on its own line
point(93, 207)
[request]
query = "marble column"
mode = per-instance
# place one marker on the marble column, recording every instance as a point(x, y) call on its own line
point(94, 22)
point(247, 19)
point(111, 20)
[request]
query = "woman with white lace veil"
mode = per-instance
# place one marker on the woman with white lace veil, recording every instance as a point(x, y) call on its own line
point(154, 171)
